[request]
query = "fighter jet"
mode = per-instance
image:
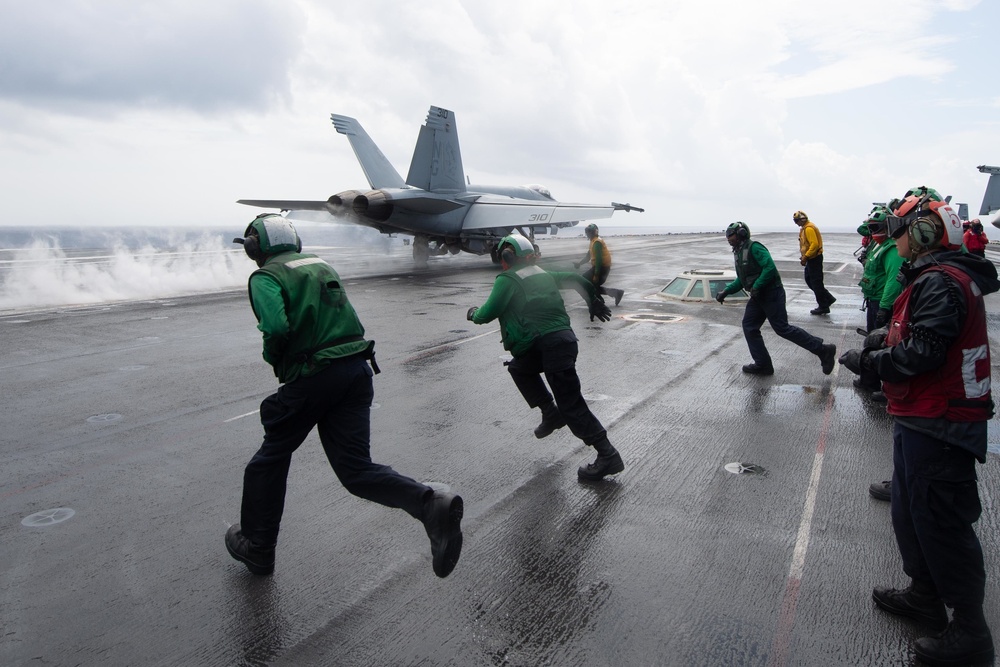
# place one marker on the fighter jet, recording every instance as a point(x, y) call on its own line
point(991, 200)
point(435, 205)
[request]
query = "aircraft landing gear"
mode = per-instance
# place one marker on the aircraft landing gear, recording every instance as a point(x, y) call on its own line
point(421, 251)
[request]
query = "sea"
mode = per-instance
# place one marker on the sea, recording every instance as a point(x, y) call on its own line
point(46, 267)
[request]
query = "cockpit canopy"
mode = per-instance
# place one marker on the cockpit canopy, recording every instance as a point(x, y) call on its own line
point(540, 189)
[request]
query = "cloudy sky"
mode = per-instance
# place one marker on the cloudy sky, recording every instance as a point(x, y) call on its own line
point(159, 113)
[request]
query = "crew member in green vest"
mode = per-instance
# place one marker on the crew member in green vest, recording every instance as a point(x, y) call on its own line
point(315, 342)
point(535, 329)
point(757, 274)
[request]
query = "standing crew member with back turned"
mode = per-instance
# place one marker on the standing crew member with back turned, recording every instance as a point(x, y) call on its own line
point(934, 361)
point(811, 257)
point(599, 256)
point(535, 329)
point(756, 272)
point(315, 343)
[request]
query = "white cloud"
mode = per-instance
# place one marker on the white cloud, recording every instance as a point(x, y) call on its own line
point(708, 108)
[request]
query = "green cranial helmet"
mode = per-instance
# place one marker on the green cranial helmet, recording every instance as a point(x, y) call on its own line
point(590, 231)
point(922, 191)
point(274, 233)
point(738, 229)
point(516, 243)
point(877, 220)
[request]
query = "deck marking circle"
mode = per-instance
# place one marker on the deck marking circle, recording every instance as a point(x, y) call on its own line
point(48, 517)
point(104, 419)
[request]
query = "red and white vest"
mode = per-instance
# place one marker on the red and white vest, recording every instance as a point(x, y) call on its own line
point(959, 390)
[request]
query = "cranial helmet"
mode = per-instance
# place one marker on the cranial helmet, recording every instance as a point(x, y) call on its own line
point(739, 229)
point(877, 220)
point(590, 231)
point(269, 234)
point(923, 190)
point(800, 216)
point(930, 222)
point(514, 247)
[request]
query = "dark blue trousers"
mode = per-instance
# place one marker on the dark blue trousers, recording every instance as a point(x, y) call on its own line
point(555, 355)
point(814, 280)
point(338, 400)
point(935, 501)
point(770, 305)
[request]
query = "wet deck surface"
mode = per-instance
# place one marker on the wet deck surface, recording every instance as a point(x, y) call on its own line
point(140, 417)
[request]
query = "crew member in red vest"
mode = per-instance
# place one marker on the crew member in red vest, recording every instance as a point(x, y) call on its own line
point(934, 363)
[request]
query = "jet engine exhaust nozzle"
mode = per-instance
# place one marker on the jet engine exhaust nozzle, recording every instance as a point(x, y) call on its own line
point(375, 205)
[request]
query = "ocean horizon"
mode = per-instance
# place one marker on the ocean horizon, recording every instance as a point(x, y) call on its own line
point(63, 265)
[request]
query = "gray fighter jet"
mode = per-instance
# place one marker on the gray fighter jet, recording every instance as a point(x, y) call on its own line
point(435, 204)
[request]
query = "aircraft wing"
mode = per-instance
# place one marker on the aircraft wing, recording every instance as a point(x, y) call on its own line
point(286, 204)
point(490, 212)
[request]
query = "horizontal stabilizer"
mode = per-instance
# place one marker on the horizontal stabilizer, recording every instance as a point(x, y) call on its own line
point(286, 204)
point(491, 212)
point(378, 170)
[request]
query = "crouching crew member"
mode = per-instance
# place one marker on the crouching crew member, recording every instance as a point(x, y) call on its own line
point(535, 329)
point(934, 362)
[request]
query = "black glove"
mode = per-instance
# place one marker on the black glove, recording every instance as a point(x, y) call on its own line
point(469, 313)
point(720, 297)
point(577, 264)
point(599, 310)
point(754, 293)
point(875, 340)
point(882, 317)
point(854, 360)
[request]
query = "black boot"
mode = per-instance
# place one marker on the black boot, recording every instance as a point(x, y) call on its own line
point(914, 601)
point(443, 523)
point(552, 419)
point(966, 641)
point(608, 462)
point(258, 559)
point(617, 294)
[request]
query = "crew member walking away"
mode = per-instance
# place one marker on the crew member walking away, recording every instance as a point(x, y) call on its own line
point(811, 257)
point(934, 361)
point(599, 257)
point(975, 238)
point(315, 342)
point(535, 329)
point(878, 284)
point(755, 271)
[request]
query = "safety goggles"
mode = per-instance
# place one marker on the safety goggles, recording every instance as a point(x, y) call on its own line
point(896, 226)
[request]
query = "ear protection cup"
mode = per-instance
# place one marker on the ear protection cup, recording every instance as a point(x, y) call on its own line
point(742, 234)
point(251, 245)
point(923, 234)
point(508, 256)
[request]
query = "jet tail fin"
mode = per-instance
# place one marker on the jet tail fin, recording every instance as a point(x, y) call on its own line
point(437, 158)
point(378, 170)
point(991, 200)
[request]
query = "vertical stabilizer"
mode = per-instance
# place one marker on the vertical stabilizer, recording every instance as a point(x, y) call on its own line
point(378, 170)
point(437, 159)
point(991, 200)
